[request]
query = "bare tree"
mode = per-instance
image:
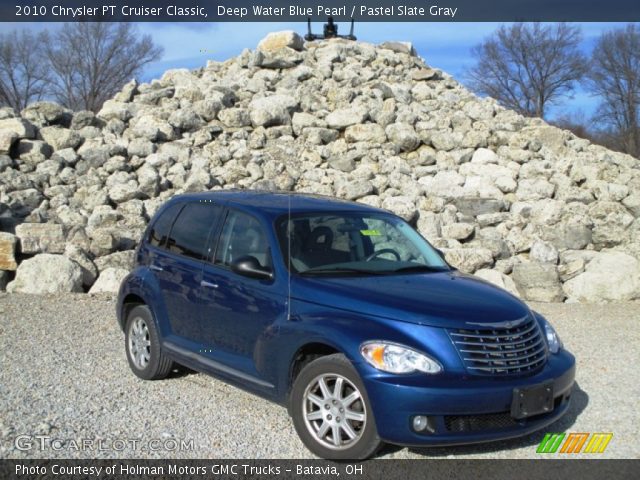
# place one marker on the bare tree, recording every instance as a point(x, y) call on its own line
point(615, 78)
point(24, 74)
point(92, 61)
point(527, 67)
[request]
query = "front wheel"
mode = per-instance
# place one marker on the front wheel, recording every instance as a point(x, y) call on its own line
point(331, 411)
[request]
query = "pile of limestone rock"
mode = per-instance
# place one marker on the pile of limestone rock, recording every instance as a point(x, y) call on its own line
point(527, 206)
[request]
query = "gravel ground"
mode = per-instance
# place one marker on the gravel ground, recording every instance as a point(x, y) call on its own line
point(64, 378)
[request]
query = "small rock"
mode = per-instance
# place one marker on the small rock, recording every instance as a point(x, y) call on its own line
point(570, 270)
point(399, 47)
point(235, 117)
point(401, 206)
point(458, 231)
point(403, 135)
point(543, 252)
point(469, 260)
point(355, 189)
point(345, 117)
point(271, 111)
point(118, 260)
point(425, 74)
point(365, 132)
point(484, 156)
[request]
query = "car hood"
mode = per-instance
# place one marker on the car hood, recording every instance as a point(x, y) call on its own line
point(441, 299)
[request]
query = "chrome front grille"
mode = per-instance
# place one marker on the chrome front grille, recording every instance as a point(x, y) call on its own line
point(502, 349)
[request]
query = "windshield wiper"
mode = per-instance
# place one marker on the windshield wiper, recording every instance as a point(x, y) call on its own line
point(341, 270)
point(420, 268)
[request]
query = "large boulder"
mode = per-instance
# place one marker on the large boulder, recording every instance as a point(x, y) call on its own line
point(498, 279)
point(109, 281)
point(7, 139)
point(46, 113)
point(609, 277)
point(275, 41)
point(47, 273)
point(40, 238)
point(538, 282)
point(20, 127)
point(8, 251)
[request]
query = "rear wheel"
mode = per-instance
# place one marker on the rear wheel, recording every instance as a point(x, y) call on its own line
point(142, 345)
point(331, 410)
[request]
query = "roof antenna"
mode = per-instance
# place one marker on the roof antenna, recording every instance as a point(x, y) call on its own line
point(288, 230)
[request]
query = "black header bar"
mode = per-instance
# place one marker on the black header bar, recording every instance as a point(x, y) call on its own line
point(319, 10)
point(318, 469)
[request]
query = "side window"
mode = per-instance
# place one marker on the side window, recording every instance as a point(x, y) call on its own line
point(160, 229)
point(242, 235)
point(191, 229)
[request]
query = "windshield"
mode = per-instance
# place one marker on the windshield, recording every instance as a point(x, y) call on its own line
point(354, 243)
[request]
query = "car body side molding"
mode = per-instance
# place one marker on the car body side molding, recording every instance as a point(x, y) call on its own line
point(212, 364)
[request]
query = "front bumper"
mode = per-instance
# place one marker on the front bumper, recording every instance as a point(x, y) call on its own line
point(464, 410)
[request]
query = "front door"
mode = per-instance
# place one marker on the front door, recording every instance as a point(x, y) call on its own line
point(239, 312)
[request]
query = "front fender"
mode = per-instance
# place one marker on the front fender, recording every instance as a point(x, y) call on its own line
point(345, 332)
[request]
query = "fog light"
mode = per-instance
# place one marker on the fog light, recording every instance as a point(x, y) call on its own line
point(420, 423)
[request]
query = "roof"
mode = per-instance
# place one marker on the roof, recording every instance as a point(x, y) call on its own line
point(277, 203)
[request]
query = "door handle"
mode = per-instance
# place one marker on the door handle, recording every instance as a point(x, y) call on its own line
point(156, 268)
point(204, 283)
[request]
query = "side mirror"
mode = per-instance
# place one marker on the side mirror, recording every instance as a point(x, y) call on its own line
point(249, 266)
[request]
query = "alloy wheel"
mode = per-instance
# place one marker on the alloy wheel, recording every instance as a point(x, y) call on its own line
point(139, 343)
point(334, 411)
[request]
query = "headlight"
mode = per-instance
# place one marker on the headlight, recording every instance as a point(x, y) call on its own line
point(393, 358)
point(553, 340)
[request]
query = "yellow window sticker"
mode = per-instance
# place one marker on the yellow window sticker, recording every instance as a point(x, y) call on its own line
point(370, 233)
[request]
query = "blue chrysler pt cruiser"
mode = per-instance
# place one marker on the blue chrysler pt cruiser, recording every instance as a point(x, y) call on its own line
point(346, 315)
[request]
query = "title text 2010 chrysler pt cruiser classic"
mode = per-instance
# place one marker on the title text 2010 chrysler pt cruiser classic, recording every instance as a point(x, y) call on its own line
point(346, 315)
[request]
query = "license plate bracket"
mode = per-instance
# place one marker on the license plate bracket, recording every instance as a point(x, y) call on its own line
point(532, 400)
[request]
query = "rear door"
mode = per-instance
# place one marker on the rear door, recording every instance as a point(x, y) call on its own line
point(178, 267)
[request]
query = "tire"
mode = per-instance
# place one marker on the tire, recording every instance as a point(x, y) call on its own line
point(142, 345)
point(318, 426)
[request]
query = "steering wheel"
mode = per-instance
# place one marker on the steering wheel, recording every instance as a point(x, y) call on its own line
point(380, 252)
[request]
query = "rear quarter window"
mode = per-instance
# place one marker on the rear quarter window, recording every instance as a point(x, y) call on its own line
point(191, 229)
point(159, 232)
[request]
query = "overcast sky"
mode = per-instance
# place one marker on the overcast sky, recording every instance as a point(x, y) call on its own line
point(442, 45)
